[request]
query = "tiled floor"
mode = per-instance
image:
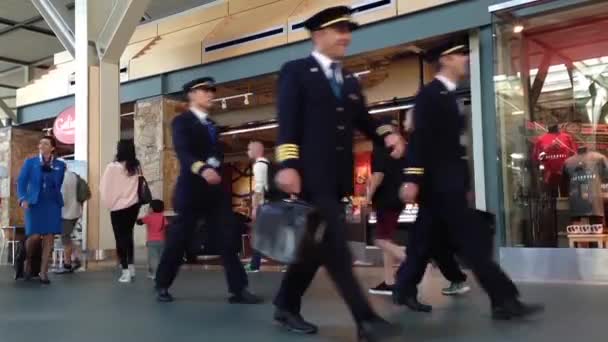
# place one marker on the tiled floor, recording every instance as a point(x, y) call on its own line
point(93, 307)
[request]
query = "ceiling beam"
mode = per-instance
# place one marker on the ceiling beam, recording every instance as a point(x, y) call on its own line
point(13, 61)
point(8, 111)
point(57, 17)
point(25, 25)
point(8, 86)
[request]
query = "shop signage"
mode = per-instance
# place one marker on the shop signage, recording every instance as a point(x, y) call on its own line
point(64, 128)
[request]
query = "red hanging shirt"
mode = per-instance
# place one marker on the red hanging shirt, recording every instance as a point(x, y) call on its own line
point(551, 151)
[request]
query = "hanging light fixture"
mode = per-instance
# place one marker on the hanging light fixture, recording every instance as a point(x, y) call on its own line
point(246, 101)
point(224, 104)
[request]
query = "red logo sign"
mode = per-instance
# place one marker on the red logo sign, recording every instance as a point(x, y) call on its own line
point(64, 128)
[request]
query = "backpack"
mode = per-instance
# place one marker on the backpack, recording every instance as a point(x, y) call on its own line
point(273, 193)
point(83, 192)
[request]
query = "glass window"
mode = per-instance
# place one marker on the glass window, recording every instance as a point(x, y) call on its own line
point(551, 81)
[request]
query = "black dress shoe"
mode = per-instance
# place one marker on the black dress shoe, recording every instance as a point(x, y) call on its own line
point(513, 308)
point(377, 329)
point(412, 303)
point(245, 297)
point(163, 295)
point(294, 322)
point(45, 281)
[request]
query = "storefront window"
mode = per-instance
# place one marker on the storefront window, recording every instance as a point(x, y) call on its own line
point(551, 81)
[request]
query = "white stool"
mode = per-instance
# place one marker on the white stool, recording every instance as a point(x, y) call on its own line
point(58, 254)
point(6, 242)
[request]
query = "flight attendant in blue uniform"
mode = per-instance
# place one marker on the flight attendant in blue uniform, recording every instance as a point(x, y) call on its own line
point(199, 195)
point(39, 189)
point(437, 177)
point(319, 106)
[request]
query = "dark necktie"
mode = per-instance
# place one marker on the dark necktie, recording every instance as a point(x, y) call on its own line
point(212, 131)
point(335, 84)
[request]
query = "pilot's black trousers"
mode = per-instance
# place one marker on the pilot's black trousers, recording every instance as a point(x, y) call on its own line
point(224, 233)
point(427, 241)
point(471, 237)
point(333, 253)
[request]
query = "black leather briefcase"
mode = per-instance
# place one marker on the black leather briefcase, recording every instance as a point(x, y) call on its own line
point(287, 229)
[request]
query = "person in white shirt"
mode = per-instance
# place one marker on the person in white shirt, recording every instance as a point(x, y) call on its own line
point(71, 213)
point(255, 152)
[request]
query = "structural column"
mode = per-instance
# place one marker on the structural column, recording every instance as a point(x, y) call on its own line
point(102, 31)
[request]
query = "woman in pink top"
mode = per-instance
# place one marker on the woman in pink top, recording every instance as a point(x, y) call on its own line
point(119, 194)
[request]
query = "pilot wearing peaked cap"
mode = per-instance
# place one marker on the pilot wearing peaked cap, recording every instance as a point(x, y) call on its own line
point(454, 47)
point(329, 17)
point(205, 83)
point(436, 175)
point(199, 196)
point(319, 104)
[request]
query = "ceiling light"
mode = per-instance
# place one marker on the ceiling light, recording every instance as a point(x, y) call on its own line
point(519, 28)
point(253, 129)
point(246, 102)
point(390, 109)
point(362, 73)
point(224, 104)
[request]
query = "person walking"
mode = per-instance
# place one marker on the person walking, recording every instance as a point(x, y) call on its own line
point(261, 165)
point(119, 193)
point(156, 231)
point(39, 190)
point(383, 194)
point(199, 195)
point(319, 105)
point(437, 177)
point(71, 213)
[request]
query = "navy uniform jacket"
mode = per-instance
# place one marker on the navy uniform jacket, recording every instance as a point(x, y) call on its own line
point(196, 150)
point(316, 127)
point(435, 154)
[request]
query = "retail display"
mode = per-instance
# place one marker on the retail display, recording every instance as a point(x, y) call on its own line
point(585, 173)
point(551, 151)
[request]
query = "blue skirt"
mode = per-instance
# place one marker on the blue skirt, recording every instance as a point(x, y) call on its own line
point(43, 217)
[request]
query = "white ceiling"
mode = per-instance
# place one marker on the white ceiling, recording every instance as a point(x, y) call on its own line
point(26, 46)
point(29, 46)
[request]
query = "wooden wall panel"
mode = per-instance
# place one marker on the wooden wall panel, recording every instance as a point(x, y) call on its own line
point(213, 11)
point(403, 81)
point(133, 50)
point(409, 6)
point(429, 71)
point(377, 15)
point(170, 174)
point(172, 51)
point(144, 32)
point(171, 108)
point(262, 44)
point(246, 23)
point(237, 6)
point(305, 10)
point(5, 183)
point(51, 85)
point(24, 144)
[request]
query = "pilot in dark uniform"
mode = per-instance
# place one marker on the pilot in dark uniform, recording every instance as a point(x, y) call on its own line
point(437, 171)
point(199, 195)
point(319, 106)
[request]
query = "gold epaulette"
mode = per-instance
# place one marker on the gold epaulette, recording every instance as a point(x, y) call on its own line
point(414, 171)
point(196, 167)
point(287, 151)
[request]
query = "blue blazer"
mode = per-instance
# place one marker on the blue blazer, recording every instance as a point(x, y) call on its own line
point(29, 183)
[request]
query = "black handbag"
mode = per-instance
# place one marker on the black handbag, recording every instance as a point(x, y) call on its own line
point(285, 230)
point(143, 191)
